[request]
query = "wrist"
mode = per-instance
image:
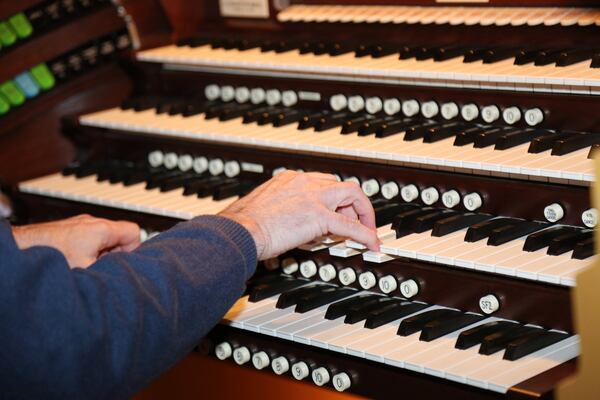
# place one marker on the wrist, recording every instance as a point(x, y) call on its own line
point(252, 227)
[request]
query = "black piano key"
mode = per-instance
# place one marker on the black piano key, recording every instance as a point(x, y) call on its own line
point(519, 137)
point(546, 142)
point(392, 312)
point(216, 110)
point(505, 234)
point(525, 56)
point(490, 137)
point(291, 297)
point(484, 229)
point(498, 54)
point(266, 290)
point(371, 126)
point(234, 189)
point(444, 131)
point(268, 117)
point(195, 107)
point(235, 112)
point(474, 336)
point(457, 222)
point(567, 242)
point(310, 302)
point(407, 52)
point(593, 151)
point(178, 107)
point(446, 53)
point(331, 121)
point(427, 222)
point(311, 120)
point(416, 323)
point(584, 249)
point(353, 125)
point(543, 238)
point(337, 49)
point(439, 328)
point(547, 57)
point(574, 56)
point(343, 307)
point(135, 177)
point(155, 180)
point(246, 44)
point(499, 340)
point(191, 187)
point(576, 142)
point(595, 61)
point(396, 126)
point(284, 46)
point(362, 50)
point(289, 117)
point(307, 47)
point(255, 114)
point(531, 343)
point(475, 54)
point(361, 313)
point(383, 50)
point(385, 213)
point(208, 189)
point(176, 182)
point(403, 222)
point(418, 132)
point(425, 53)
point(469, 135)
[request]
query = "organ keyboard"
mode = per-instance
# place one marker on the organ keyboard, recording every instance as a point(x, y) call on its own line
point(472, 129)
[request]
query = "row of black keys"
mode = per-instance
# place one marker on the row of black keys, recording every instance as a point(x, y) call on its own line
point(129, 173)
point(381, 126)
point(375, 310)
point(488, 55)
point(408, 218)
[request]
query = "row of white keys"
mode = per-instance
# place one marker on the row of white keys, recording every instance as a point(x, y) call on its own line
point(438, 357)
point(135, 197)
point(347, 64)
point(574, 166)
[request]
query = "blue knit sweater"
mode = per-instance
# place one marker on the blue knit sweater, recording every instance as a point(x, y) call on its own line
point(109, 330)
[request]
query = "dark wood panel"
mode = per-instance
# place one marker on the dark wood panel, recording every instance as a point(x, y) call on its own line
point(204, 377)
point(150, 21)
point(31, 143)
point(59, 41)
point(9, 8)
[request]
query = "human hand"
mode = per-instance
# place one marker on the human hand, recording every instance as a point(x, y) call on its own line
point(82, 239)
point(294, 208)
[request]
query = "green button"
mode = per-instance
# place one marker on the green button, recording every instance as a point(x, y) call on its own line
point(7, 36)
point(13, 94)
point(43, 76)
point(21, 25)
point(4, 106)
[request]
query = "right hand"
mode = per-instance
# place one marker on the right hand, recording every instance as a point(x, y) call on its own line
point(294, 208)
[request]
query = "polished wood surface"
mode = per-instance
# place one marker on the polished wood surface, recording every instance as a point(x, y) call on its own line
point(201, 377)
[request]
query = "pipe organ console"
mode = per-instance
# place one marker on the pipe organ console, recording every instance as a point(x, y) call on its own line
point(470, 126)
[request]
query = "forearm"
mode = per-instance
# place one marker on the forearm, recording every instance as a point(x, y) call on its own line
point(109, 329)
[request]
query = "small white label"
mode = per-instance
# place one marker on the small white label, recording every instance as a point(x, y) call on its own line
point(252, 167)
point(309, 96)
point(244, 8)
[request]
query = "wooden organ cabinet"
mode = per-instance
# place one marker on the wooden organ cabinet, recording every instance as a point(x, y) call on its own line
point(470, 125)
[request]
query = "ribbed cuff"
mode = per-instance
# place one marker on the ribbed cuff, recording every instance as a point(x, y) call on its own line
point(235, 233)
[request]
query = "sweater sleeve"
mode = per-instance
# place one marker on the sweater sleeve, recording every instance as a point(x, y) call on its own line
point(107, 331)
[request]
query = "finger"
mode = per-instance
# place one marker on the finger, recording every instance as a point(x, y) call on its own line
point(344, 194)
point(348, 211)
point(341, 225)
point(123, 234)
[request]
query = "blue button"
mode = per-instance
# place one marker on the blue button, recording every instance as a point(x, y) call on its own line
point(27, 84)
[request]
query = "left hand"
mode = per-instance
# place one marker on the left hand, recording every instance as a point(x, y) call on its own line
point(82, 239)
